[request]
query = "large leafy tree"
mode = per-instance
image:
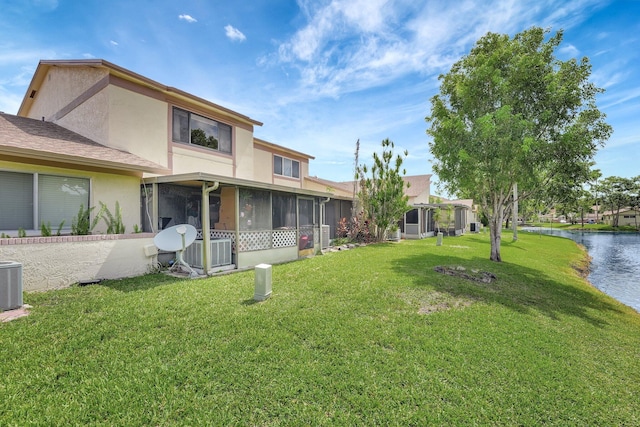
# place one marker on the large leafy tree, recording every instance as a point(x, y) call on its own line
point(381, 190)
point(511, 113)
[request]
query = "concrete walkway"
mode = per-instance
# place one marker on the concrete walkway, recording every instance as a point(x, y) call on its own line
point(9, 315)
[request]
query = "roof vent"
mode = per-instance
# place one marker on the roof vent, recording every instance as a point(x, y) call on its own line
point(33, 94)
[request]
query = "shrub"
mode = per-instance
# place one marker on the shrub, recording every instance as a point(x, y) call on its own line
point(114, 221)
point(82, 225)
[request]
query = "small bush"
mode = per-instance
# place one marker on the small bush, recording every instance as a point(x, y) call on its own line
point(355, 230)
point(114, 221)
point(45, 229)
point(82, 225)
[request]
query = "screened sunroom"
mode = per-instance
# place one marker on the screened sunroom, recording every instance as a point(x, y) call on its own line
point(252, 223)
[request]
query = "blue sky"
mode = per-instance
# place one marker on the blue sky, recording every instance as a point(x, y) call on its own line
point(321, 74)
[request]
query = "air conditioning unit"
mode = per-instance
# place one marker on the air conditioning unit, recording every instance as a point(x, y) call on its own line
point(219, 253)
point(10, 285)
point(326, 236)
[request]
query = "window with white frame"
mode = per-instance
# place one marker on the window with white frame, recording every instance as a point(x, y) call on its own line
point(286, 167)
point(30, 200)
point(190, 128)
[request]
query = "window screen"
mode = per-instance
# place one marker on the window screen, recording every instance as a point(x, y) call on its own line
point(16, 200)
point(255, 210)
point(305, 210)
point(283, 211)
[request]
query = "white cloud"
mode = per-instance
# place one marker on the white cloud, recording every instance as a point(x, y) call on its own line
point(628, 95)
point(9, 101)
point(113, 43)
point(48, 5)
point(351, 45)
point(234, 34)
point(569, 50)
point(187, 18)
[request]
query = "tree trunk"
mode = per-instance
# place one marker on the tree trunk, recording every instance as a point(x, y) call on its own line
point(515, 212)
point(495, 233)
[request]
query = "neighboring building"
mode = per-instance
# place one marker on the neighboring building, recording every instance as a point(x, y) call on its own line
point(417, 223)
point(626, 217)
point(167, 156)
point(452, 217)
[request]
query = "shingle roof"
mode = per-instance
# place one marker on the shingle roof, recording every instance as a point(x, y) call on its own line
point(418, 184)
point(346, 186)
point(25, 137)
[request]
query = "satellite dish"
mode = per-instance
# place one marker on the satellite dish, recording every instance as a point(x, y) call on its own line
point(177, 239)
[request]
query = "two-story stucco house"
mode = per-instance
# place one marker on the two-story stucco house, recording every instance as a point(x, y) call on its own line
point(89, 131)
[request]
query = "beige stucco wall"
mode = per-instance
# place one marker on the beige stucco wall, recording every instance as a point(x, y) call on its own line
point(105, 187)
point(125, 190)
point(287, 182)
point(304, 168)
point(58, 264)
point(188, 159)
point(61, 86)
point(245, 154)
point(622, 221)
point(90, 119)
point(272, 256)
point(263, 165)
point(138, 124)
point(421, 198)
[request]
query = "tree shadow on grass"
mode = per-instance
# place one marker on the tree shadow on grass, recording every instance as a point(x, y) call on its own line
point(142, 283)
point(516, 287)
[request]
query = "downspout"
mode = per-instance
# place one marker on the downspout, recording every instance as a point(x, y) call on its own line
point(322, 202)
point(237, 224)
point(206, 226)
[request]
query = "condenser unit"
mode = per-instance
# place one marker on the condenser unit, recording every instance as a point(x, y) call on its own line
point(326, 236)
point(10, 285)
point(219, 253)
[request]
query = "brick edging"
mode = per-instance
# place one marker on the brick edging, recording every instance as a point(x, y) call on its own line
point(68, 239)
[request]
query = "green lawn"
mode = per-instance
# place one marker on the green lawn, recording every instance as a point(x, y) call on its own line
point(370, 336)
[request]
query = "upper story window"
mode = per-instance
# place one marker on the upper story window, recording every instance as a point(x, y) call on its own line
point(286, 167)
point(190, 128)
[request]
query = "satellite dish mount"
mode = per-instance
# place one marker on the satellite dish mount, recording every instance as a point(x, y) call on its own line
point(177, 239)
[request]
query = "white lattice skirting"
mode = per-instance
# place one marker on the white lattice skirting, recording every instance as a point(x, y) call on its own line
point(256, 240)
point(263, 240)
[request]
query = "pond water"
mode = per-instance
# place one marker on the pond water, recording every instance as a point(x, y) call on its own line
point(615, 263)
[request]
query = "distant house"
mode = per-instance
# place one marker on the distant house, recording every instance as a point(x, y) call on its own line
point(626, 217)
point(417, 223)
point(452, 217)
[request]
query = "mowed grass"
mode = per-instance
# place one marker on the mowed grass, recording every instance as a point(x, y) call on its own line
point(370, 336)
